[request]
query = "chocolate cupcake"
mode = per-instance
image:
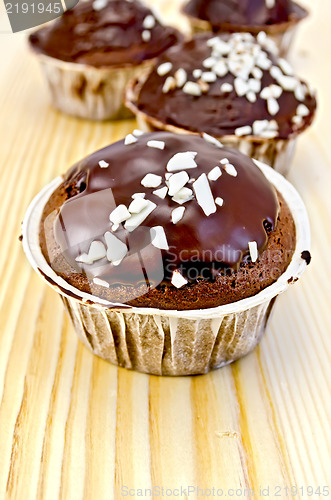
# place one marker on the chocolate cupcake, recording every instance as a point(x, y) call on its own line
point(168, 250)
point(232, 87)
point(90, 53)
point(277, 18)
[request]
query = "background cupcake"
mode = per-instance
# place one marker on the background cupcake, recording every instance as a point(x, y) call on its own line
point(90, 53)
point(234, 88)
point(278, 18)
point(168, 250)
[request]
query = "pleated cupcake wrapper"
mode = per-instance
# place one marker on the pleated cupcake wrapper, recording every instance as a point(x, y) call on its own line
point(282, 34)
point(278, 153)
point(169, 342)
point(161, 345)
point(89, 92)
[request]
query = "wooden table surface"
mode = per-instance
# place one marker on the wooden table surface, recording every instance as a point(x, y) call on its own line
point(74, 427)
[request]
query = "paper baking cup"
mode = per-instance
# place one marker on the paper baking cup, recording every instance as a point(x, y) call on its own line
point(169, 342)
point(89, 92)
point(282, 34)
point(277, 153)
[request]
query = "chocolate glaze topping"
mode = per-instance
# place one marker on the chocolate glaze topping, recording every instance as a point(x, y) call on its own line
point(248, 214)
point(112, 35)
point(244, 12)
point(219, 112)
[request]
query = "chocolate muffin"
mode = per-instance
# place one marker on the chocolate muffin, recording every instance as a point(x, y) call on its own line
point(168, 250)
point(91, 51)
point(207, 224)
point(232, 87)
point(277, 18)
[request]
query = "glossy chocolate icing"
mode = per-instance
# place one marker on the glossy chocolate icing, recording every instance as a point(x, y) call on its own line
point(249, 212)
point(215, 112)
point(105, 37)
point(244, 12)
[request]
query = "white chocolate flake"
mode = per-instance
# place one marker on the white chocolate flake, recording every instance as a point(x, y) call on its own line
point(137, 205)
point(252, 246)
point(156, 144)
point(149, 22)
point(177, 214)
point(99, 4)
point(96, 251)
point(161, 193)
point(146, 35)
point(192, 88)
point(226, 88)
point(158, 238)
point(136, 219)
point(137, 132)
point(151, 180)
point(212, 140)
point(214, 174)
point(119, 214)
point(182, 161)
point(177, 181)
point(230, 169)
point(178, 279)
point(116, 249)
point(180, 77)
point(183, 195)
point(273, 106)
point(99, 282)
point(197, 73)
point(169, 84)
point(130, 139)
point(204, 195)
point(164, 68)
point(241, 131)
point(103, 164)
point(209, 77)
point(138, 195)
point(302, 110)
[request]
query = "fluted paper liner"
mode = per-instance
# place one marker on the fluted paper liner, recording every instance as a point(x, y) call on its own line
point(89, 92)
point(169, 342)
point(282, 34)
point(278, 153)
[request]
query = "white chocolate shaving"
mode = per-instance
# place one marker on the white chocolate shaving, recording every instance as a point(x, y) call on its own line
point(177, 214)
point(136, 219)
point(182, 161)
point(151, 181)
point(252, 246)
point(116, 249)
point(204, 195)
point(158, 238)
point(103, 164)
point(119, 214)
point(96, 251)
point(177, 181)
point(178, 279)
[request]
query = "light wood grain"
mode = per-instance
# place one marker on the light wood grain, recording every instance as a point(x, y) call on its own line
point(72, 426)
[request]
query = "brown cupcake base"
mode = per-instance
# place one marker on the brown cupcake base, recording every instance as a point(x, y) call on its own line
point(89, 92)
point(162, 345)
